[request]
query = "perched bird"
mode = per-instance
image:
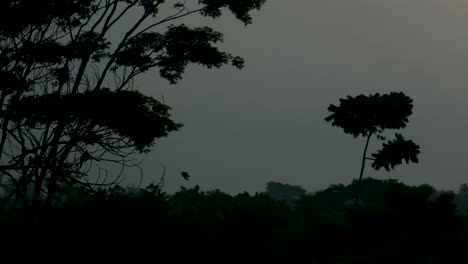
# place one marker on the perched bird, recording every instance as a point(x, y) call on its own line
point(85, 157)
point(185, 175)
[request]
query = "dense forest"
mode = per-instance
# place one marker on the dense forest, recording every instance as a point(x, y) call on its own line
point(393, 223)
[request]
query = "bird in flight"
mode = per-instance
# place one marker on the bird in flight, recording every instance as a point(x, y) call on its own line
point(185, 175)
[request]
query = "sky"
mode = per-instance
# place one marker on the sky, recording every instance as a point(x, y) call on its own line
point(244, 128)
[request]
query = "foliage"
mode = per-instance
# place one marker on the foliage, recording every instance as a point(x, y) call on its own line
point(371, 115)
point(461, 199)
point(68, 103)
point(129, 114)
point(399, 223)
point(287, 193)
point(363, 115)
point(394, 152)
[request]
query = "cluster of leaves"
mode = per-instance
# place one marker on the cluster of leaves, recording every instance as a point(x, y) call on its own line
point(394, 152)
point(172, 51)
point(363, 115)
point(129, 114)
point(240, 8)
point(17, 15)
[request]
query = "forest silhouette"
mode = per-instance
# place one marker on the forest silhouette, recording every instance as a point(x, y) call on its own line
point(69, 110)
point(393, 223)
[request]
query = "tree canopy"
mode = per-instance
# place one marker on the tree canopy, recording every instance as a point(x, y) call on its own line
point(367, 116)
point(363, 115)
point(68, 103)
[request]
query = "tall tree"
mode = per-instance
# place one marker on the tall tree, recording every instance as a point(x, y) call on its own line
point(369, 116)
point(67, 102)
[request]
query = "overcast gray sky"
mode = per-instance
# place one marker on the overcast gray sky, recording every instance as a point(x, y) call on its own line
point(266, 122)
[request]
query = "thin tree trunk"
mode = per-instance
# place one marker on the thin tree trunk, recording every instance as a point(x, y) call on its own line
point(362, 170)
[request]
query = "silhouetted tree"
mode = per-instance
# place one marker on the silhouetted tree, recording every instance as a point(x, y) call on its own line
point(290, 194)
point(67, 103)
point(338, 198)
point(410, 224)
point(370, 115)
point(245, 224)
point(461, 198)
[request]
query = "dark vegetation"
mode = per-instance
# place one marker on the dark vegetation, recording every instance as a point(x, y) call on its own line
point(394, 223)
point(369, 116)
point(69, 111)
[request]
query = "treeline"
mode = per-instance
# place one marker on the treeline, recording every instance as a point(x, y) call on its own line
point(337, 198)
point(394, 223)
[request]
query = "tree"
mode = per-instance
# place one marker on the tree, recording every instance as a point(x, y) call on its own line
point(289, 194)
point(68, 105)
point(370, 115)
point(461, 199)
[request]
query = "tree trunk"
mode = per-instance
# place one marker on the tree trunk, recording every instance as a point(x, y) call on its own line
point(356, 203)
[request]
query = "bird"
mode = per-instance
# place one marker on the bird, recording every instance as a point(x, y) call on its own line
point(185, 175)
point(85, 157)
